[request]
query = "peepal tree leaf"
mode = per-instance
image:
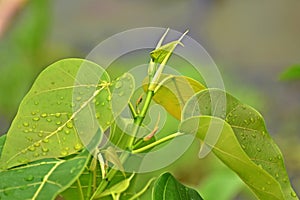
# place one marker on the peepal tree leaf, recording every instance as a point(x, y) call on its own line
point(243, 144)
point(174, 92)
point(167, 187)
point(44, 126)
point(43, 180)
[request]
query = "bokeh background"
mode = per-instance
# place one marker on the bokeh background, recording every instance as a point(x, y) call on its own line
point(252, 42)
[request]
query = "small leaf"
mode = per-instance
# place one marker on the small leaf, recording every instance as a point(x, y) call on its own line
point(174, 91)
point(292, 73)
point(111, 155)
point(44, 126)
point(159, 54)
point(42, 180)
point(167, 187)
point(115, 189)
point(242, 141)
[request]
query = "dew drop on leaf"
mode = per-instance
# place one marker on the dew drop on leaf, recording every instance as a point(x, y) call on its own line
point(36, 119)
point(78, 146)
point(57, 115)
point(43, 115)
point(67, 132)
point(69, 125)
point(31, 148)
point(37, 144)
point(293, 194)
point(33, 113)
point(78, 98)
point(253, 135)
point(46, 140)
point(36, 154)
point(108, 98)
point(58, 123)
point(49, 120)
point(243, 146)
point(44, 149)
point(36, 103)
point(277, 175)
point(258, 149)
point(26, 124)
point(29, 178)
point(63, 153)
point(102, 103)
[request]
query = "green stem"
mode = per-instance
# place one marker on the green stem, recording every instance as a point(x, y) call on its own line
point(164, 139)
point(80, 189)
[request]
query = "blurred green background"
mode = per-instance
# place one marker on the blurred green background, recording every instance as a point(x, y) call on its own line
point(252, 42)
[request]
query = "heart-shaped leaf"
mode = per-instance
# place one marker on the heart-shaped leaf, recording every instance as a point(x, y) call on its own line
point(167, 187)
point(49, 117)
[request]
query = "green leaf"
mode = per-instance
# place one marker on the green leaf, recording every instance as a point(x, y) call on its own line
point(242, 143)
point(292, 73)
point(45, 126)
point(115, 189)
point(167, 187)
point(174, 91)
point(43, 180)
point(112, 156)
point(159, 54)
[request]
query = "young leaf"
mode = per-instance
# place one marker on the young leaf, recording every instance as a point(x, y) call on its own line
point(167, 187)
point(115, 189)
point(243, 144)
point(44, 125)
point(43, 180)
point(159, 54)
point(173, 92)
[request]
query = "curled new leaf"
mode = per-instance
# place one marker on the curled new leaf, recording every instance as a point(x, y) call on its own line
point(173, 92)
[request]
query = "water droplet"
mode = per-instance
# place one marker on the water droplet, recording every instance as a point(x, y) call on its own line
point(25, 131)
point(243, 146)
point(73, 104)
point(118, 84)
point(58, 103)
point(270, 159)
point(61, 98)
point(29, 178)
point(253, 135)
point(67, 132)
point(78, 146)
point(245, 121)
point(57, 115)
point(97, 115)
point(285, 180)
point(36, 103)
point(263, 133)
point(258, 149)
point(33, 126)
point(252, 119)
point(44, 149)
point(49, 120)
point(108, 98)
point(63, 153)
point(60, 128)
point(36, 154)
point(269, 183)
point(108, 123)
point(37, 144)
point(293, 194)
point(33, 113)
point(78, 98)
point(102, 104)
point(46, 140)
point(58, 123)
point(43, 115)
point(263, 188)
point(244, 107)
point(72, 170)
point(97, 103)
point(26, 124)
point(67, 148)
point(260, 166)
point(36, 119)
point(31, 148)
point(69, 125)
point(24, 151)
point(121, 93)
point(279, 157)
point(277, 175)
